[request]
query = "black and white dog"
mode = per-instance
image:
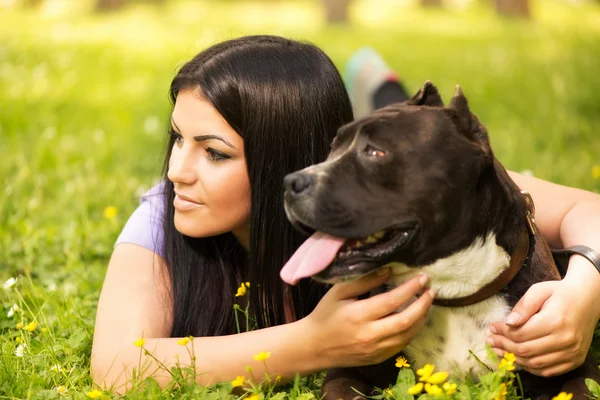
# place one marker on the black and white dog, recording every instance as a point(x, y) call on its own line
point(416, 186)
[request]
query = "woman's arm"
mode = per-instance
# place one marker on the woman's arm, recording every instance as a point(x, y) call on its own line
point(551, 327)
point(341, 331)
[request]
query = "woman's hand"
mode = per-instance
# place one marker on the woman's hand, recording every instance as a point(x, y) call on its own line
point(349, 332)
point(551, 328)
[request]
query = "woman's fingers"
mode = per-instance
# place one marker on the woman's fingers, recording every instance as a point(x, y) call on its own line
point(405, 320)
point(362, 285)
point(386, 303)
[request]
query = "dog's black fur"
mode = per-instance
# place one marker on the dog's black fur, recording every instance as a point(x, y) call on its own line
point(426, 171)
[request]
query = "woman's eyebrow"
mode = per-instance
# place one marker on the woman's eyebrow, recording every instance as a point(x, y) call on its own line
point(205, 137)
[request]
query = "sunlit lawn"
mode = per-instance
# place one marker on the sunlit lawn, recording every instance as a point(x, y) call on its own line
point(83, 110)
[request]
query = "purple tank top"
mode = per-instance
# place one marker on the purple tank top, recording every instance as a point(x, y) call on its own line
point(144, 226)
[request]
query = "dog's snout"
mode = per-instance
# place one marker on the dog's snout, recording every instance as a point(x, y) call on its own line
point(298, 182)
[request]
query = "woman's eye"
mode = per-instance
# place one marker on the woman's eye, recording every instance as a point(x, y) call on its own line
point(216, 156)
point(373, 152)
point(178, 138)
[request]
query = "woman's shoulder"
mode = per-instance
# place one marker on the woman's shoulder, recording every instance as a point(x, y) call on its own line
point(144, 226)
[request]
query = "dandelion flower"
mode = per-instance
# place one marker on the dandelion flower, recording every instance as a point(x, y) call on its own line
point(262, 356)
point(242, 289)
point(254, 397)
point(56, 368)
point(20, 350)
point(94, 394)
point(402, 362)
point(19, 325)
point(433, 390)
point(31, 326)
point(238, 381)
point(449, 388)
point(140, 342)
point(61, 390)
point(563, 396)
point(595, 174)
point(183, 341)
point(425, 372)
point(9, 283)
point(110, 212)
point(416, 389)
point(437, 378)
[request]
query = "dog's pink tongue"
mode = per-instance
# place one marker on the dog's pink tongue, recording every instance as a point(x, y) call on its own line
point(315, 254)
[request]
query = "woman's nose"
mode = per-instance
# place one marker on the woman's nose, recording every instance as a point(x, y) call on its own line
point(181, 167)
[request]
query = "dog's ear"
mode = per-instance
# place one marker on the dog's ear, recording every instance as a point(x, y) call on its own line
point(428, 95)
point(467, 123)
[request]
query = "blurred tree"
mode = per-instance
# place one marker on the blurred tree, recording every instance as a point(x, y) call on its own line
point(109, 5)
point(431, 3)
point(336, 10)
point(513, 8)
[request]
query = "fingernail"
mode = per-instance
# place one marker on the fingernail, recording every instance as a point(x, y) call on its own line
point(512, 318)
point(423, 279)
point(383, 271)
point(490, 341)
point(493, 329)
point(431, 292)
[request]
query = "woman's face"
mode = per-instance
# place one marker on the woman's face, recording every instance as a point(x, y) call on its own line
point(208, 171)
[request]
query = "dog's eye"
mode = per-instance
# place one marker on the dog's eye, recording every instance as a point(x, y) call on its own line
point(373, 152)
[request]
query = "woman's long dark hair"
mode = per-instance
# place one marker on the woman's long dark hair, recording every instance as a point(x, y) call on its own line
point(286, 99)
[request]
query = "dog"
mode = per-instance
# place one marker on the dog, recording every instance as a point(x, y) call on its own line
point(416, 186)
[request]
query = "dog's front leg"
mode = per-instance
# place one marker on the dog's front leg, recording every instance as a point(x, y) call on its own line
point(346, 384)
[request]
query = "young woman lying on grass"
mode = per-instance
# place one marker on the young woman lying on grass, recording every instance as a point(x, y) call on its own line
point(247, 112)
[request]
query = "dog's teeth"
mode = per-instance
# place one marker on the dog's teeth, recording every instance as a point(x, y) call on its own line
point(371, 239)
point(379, 235)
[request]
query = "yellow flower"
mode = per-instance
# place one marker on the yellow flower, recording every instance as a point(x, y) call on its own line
point(110, 212)
point(418, 388)
point(247, 284)
point(503, 393)
point(433, 390)
point(402, 362)
point(437, 378)
point(140, 342)
point(183, 341)
point(563, 396)
point(19, 340)
point(61, 390)
point(31, 326)
point(19, 325)
point(508, 362)
point(595, 174)
point(262, 356)
point(253, 397)
point(450, 388)
point(242, 289)
point(94, 394)
point(389, 392)
point(238, 381)
point(425, 372)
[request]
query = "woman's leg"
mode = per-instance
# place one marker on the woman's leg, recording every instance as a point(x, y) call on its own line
point(371, 82)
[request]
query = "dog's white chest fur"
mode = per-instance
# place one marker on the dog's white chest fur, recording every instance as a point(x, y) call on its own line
point(451, 332)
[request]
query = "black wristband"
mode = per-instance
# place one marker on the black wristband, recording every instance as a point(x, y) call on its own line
point(562, 257)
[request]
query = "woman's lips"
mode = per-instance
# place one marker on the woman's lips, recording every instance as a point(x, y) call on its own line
point(183, 203)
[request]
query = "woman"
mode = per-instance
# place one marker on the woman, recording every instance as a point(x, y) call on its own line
point(247, 112)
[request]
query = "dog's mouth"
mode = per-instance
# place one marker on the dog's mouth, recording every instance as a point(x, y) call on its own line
point(358, 257)
point(332, 259)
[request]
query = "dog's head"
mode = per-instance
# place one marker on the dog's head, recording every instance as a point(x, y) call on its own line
point(391, 186)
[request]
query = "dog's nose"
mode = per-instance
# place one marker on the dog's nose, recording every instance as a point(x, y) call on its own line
point(298, 182)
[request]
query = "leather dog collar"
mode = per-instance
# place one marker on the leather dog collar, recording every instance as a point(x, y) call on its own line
point(517, 260)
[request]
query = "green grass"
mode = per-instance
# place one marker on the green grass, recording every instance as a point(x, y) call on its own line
point(83, 107)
